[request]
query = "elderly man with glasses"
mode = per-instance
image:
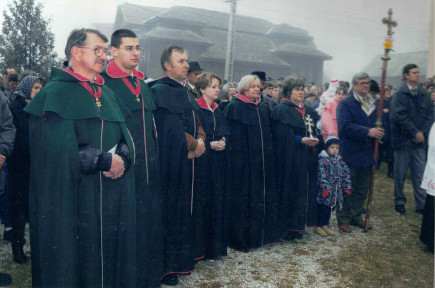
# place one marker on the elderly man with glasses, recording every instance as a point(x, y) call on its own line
point(82, 202)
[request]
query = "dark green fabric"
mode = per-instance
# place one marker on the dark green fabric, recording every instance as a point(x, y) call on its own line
point(67, 225)
point(147, 179)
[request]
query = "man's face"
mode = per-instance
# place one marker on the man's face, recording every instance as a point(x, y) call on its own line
point(362, 87)
point(12, 85)
point(192, 75)
point(178, 66)
point(127, 55)
point(413, 76)
point(87, 60)
point(9, 71)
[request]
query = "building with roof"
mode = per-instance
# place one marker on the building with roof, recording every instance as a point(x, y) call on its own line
point(395, 66)
point(259, 45)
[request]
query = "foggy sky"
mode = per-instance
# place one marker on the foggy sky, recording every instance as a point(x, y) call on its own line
point(350, 31)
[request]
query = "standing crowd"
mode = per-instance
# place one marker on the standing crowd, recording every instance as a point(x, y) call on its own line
point(129, 182)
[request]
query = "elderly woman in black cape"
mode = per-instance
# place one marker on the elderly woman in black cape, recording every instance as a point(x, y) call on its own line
point(253, 195)
point(296, 143)
point(19, 164)
point(209, 214)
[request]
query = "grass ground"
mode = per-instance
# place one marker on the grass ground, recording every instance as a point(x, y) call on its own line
point(390, 255)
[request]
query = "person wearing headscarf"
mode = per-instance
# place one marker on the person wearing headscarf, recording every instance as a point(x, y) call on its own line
point(19, 164)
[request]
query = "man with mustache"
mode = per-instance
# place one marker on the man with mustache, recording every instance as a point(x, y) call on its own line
point(128, 83)
point(181, 139)
point(82, 206)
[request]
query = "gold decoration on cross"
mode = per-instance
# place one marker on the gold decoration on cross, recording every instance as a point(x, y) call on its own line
point(388, 43)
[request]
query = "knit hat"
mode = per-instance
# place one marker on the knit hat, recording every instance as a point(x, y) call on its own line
point(331, 140)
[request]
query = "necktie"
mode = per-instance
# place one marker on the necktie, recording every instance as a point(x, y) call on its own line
point(366, 107)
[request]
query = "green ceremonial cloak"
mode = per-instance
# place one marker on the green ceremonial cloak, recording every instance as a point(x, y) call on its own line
point(82, 227)
point(147, 172)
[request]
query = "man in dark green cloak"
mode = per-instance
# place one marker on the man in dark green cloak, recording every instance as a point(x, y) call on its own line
point(128, 83)
point(82, 202)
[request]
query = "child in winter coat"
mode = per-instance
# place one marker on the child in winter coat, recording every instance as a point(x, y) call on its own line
point(333, 184)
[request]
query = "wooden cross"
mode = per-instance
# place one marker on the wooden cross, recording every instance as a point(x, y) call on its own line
point(389, 22)
point(310, 125)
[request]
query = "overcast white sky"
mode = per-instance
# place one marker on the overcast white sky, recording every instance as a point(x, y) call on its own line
point(349, 30)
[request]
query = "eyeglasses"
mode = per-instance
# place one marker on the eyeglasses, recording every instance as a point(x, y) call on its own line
point(98, 51)
point(130, 49)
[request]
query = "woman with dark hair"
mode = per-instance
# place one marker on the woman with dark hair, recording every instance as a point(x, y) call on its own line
point(297, 143)
point(210, 227)
point(19, 164)
point(253, 193)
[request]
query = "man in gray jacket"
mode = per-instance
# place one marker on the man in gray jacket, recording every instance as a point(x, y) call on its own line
point(411, 115)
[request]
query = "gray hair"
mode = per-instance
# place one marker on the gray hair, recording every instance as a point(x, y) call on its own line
point(167, 54)
point(227, 87)
point(359, 76)
point(246, 81)
point(78, 38)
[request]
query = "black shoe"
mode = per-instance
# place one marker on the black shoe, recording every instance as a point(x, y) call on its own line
point(400, 209)
point(293, 235)
point(18, 252)
point(419, 211)
point(7, 236)
point(170, 279)
point(5, 279)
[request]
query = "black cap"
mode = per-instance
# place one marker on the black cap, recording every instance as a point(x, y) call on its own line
point(194, 66)
point(260, 74)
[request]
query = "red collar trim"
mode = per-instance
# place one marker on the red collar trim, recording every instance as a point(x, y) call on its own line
point(203, 104)
point(246, 99)
point(285, 99)
point(98, 79)
point(114, 71)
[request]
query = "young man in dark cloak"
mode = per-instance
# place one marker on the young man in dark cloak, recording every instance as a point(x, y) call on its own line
point(181, 139)
point(128, 83)
point(82, 200)
point(296, 145)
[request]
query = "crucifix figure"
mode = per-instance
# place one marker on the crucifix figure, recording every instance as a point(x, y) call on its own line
point(310, 124)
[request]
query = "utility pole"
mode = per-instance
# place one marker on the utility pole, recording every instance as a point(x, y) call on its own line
point(229, 59)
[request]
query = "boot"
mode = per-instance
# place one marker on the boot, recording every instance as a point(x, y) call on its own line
point(18, 252)
point(319, 231)
point(328, 230)
point(390, 170)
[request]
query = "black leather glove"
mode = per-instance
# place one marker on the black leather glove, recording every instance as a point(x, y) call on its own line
point(93, 160)
point(124, 153)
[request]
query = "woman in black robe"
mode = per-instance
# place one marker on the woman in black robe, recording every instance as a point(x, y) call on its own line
point(296, 144)
point(253, 195)
point(19, 164)
point(210, 231)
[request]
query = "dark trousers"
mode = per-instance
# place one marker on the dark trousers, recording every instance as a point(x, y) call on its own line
point(416, 160)
point(354, 203)
point(4, 203)
point(323, 215)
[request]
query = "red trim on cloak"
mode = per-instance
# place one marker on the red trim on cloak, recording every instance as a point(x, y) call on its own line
point(177, 273)
point(246, 99)
point(98, 79)
point(203, 104)
point(114, 71)
point(301, 111)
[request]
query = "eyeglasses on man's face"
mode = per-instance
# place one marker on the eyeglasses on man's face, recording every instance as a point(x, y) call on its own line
point(98, 51)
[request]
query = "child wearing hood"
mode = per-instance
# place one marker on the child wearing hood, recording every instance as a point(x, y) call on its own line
point(333, 184)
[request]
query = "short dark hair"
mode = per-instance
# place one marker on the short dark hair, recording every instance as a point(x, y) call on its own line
point(408, 67)
point(13, 77)
point(117, 36)
point(78, 37)
point(289, 84)
point(167, 54)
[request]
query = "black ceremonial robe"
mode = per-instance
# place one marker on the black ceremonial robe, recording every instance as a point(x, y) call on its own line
point(82, 227)
point(253, 193)
point(139, 100)
point(176, 115)
point(211, 228)
point(296, 165)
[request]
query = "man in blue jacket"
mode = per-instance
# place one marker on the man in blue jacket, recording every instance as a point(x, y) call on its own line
point(411, 115)
point(356, 117)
